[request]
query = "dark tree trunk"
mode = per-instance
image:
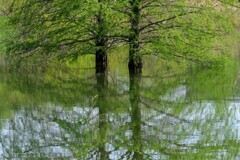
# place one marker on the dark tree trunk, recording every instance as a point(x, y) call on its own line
point(101, 59)
point(135, 67)
point(101, 68)
point(135, 60)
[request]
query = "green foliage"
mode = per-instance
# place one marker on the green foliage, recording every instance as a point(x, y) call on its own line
point(60, 29)
point(65, 30)
point(7, 32)
point(180, 30)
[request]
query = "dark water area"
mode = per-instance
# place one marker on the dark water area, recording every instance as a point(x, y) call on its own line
point(193, 115)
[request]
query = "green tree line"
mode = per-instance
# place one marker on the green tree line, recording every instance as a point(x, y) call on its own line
point(47, 30)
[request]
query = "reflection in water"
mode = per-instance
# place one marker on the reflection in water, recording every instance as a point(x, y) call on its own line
point(102, 86)
point(153, 119)
point(136, 120)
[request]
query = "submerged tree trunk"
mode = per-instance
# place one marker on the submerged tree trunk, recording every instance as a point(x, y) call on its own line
point(135, 60)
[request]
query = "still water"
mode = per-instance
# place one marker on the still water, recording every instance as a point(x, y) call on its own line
point(192, 115)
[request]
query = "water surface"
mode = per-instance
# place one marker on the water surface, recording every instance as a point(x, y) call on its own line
point(193, 115)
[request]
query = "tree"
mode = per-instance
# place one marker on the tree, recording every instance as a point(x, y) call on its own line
point(176, 29)
point(63, 30)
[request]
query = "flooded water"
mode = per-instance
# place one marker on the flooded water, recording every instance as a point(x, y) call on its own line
point(193, 115)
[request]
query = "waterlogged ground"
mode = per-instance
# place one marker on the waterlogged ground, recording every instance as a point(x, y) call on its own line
point(192, 115)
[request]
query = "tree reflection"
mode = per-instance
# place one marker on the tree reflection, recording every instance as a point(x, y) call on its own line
point(136, 120)
point(132, 125)
point(102, 86)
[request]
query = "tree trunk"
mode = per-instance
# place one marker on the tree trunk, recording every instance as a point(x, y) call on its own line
point(101, 68)
point(135, 60)
point(135, 66)
point(101, 59)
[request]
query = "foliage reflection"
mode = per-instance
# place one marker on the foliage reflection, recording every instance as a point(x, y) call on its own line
point(139, 118)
